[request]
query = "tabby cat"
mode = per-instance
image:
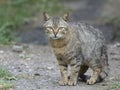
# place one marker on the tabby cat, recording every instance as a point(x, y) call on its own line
point(79, 46)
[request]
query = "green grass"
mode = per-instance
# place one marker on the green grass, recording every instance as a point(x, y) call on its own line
point(6, 79)
point(4, 73)
point(116, 86)
point(14, 13)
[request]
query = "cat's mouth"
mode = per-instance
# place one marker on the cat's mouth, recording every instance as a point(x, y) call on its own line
point(55, 38)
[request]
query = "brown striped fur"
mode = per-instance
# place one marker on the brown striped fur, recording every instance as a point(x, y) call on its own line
point(78, 45)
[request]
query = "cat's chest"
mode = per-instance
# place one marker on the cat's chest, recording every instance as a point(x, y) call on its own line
point(64, 53)
point(60, 51)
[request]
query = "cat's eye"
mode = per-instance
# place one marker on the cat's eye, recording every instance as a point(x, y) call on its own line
point(49, 29)
point(62, 28)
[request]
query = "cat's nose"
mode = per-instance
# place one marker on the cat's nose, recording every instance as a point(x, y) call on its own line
point(55, 32)
point(55, 35)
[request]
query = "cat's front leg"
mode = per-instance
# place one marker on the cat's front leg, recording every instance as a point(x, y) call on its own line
point(75, 67)
point(63, 70)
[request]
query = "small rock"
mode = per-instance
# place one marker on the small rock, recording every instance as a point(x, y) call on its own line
point(17, 48)
point(1, 51)
point(19, 70)
point(49, 68)
point(117, 45)
point(111, 78)
point(21, 55)
point(36, 74)
point(25, 56)
point(28, 58)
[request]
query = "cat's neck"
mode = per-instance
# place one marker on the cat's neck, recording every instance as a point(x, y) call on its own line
point(60, 43)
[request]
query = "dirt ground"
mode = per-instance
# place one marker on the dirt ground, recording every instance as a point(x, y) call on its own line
point(36, 67)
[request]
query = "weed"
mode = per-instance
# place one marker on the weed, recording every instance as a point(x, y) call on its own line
point(4, 73)
point(5, 79)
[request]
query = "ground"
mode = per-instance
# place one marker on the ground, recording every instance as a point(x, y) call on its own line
point(36, 67)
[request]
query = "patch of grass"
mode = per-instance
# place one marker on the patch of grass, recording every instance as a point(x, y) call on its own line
point(14, 13)
point(4, 73)
point(5, 79)
point(116, 86)
point(6, 35)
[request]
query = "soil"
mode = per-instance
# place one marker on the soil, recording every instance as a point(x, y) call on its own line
point(36, 67)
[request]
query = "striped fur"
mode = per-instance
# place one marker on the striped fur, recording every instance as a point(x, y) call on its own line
point(79, 45)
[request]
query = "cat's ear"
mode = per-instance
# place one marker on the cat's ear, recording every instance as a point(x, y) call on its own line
point(66, 17)
point(46, 16)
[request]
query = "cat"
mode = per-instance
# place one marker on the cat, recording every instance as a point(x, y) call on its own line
point(79, 46)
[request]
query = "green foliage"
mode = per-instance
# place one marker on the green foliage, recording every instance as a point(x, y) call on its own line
point(4, 73)
point(6, 35)
point(14, 13)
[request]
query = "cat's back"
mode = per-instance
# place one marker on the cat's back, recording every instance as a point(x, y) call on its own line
point(85, 31)
point(91, 39)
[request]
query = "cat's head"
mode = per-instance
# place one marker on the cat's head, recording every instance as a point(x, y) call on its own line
point(56, 27)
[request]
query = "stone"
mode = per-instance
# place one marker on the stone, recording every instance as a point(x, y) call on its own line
point(17, 48)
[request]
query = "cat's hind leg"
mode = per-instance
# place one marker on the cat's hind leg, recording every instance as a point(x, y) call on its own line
point(95, 76)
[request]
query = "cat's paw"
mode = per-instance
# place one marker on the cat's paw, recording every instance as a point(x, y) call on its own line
point(91, 81)
point(72, 82)
point(63, 82)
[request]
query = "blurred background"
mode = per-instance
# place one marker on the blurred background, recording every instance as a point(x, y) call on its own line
point(27, 61)
point(21, 20)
